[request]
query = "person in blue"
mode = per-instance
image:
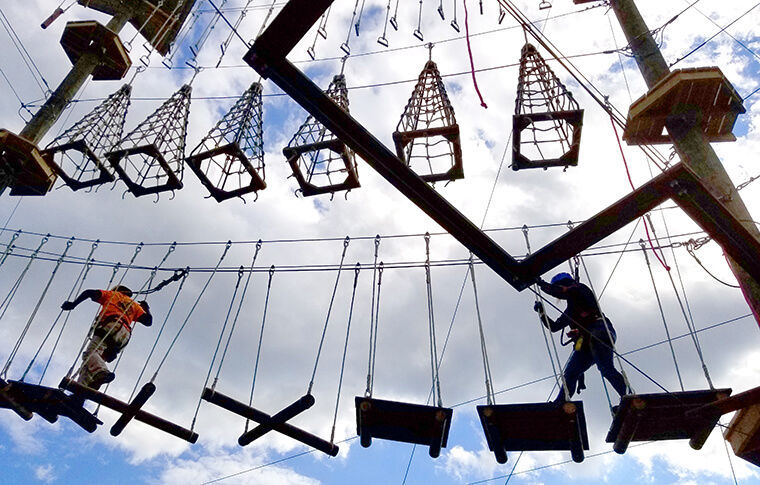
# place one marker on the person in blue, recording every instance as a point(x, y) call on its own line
point(590, 330)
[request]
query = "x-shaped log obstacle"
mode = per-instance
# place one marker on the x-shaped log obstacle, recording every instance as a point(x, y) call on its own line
point(268, 423)
point(130, 410)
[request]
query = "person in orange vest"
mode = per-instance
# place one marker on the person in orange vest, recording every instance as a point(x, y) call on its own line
point(111, 331)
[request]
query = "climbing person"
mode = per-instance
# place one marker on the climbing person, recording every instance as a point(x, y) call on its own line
point(110, 332)
point(590, 331)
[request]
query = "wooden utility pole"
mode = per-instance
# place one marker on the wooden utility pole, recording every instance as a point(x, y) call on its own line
point(689, 143)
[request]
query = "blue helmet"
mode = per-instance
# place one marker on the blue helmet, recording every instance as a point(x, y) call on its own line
point(562, 278)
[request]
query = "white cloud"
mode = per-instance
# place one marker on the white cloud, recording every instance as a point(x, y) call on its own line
point(45, 473)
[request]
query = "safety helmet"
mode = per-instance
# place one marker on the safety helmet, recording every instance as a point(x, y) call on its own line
point(562, 279)
point(123, 290)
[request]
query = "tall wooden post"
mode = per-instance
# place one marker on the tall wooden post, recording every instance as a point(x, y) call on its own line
point(690, 145)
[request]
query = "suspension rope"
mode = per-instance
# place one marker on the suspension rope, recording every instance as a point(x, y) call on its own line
point(218, 344)
point(77, 284)
point(483, 349)
point(160, 332)
point(78, 289)
point(9, 247)
point(261, 339)
point(29, 321)
point(372, 312)
point(190, 313)
point(346, 241)
point(237, 314)
point(431, 326)
point(559, 375)
point(662, 312)
point(12, 292)
point(357, 269)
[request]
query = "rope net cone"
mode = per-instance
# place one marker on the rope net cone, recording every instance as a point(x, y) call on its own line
point(151, 158)
point(427, 136)
point(229, 161)
point(77, 153)
point(320, 162)
point(546, 126)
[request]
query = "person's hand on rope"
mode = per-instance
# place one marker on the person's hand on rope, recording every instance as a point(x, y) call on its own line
point(573, 334)
point(68, 306)
point(144, 305)
point(538, 307)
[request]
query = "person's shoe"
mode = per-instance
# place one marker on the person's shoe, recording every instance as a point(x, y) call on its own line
point(102, 377)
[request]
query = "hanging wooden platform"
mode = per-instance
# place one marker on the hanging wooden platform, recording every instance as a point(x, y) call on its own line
point(89, 36)
point(684, 98)
point(535, 427)
point(351, 180)
point(664, 416)
point(405, 422)
point(574, 118)
point(152, 152)
point(157, 22)
point(22, 163)
point(450, 133)
point(47, 402)
point(276, 422)
point(129, 409)
point(103, 175)
point(230, 152)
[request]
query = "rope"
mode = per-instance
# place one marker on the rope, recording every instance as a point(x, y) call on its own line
point(12, 292)
point(74, 289)
point(556, 369)
point(189, 314)
point(431, 325)
point(372, 314)
point(237, 314)
point(261, 339)
point(9, 247)
point(218, 344)
point(357, 268)
point(160, 332)
point(690, 246)
point(29, 321)
point(346, 241)
point(662, 313)
point(469, 53)
point(483, 349)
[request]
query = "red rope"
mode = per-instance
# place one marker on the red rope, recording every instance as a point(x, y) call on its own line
point(469, 51)
point(630, 181)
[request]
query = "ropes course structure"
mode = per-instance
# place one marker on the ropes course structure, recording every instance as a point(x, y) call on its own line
point(323, 156)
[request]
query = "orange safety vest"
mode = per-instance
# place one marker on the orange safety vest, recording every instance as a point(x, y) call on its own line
point(119, 307)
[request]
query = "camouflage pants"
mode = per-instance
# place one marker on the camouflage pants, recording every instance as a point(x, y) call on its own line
point(108, 339)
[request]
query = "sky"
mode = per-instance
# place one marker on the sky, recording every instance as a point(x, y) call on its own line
point(303, 239)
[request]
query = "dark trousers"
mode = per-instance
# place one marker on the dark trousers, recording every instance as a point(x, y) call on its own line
point(599, 352)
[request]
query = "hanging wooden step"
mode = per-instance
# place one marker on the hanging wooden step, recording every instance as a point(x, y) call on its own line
point(229, 161)
point(744, 434)
point(321, 163)
point(84, 37)
point(276, 423)
point(535, 427)
point(404, 422)
point(547, 124)
point(22, 166)
point(157, 21)
point(77, 153)
point(47, 402)
point(681, 100)
point(664, 416)
point(427, 136)
point(151, 158)
point(130, 410)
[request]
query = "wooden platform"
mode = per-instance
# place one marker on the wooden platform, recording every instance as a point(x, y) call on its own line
point(520, 122)
point(404, 422)
point(744, 434)
point(307, 188)
point(535, 427)
point(231, 150)
point(22, 162)
point(685, 97)
point(89, 36)
point(664, 416)
point(451, 133)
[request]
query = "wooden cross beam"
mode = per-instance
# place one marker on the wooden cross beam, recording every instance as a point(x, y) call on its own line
point(276, 422)
point(126, 409)
point(268, 58)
